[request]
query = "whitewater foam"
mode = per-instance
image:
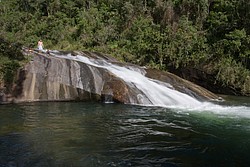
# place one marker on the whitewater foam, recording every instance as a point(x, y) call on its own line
point(158, 93)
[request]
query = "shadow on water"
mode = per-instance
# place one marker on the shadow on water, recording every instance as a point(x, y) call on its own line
point(94, 134)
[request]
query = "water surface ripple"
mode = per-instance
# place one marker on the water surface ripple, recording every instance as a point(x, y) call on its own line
point(93, 134)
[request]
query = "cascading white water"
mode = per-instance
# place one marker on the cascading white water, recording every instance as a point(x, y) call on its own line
point(159, 94)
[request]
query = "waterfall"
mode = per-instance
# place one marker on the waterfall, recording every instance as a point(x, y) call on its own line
point(154, 92)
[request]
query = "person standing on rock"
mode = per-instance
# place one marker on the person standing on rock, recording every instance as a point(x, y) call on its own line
point(40, 45)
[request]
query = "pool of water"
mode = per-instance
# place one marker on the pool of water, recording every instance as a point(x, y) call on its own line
point(95, 134)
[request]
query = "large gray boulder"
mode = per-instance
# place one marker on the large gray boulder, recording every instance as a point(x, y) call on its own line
point(64, 76)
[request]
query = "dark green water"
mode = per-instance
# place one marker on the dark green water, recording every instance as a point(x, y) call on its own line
point(93, 134)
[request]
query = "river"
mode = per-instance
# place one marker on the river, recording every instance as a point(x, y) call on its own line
point(96, 134)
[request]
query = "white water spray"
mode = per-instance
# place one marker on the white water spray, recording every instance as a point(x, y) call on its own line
point(159, 94)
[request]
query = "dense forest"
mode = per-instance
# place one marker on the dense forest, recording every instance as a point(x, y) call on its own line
point(205, 41)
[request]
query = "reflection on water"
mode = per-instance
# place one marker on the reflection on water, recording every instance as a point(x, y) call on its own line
point(92, 134)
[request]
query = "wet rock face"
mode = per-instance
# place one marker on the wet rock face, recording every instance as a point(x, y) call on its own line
point(52, 78)
point(48, 78)
point(116, 90)
point(181, 85)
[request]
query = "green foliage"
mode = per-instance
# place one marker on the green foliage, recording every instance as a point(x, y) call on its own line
point(186, 45)
point(160, 34)
point(8, 71)
point(233, 75)
point(10, 50)
point(141, 40)
point(10, 56)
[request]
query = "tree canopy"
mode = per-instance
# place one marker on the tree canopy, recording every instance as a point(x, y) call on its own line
point(212, 36)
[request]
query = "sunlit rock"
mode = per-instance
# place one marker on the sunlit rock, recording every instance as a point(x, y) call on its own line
point(84, 76)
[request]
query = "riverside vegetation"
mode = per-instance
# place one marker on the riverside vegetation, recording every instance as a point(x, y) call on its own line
point(205, 41)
